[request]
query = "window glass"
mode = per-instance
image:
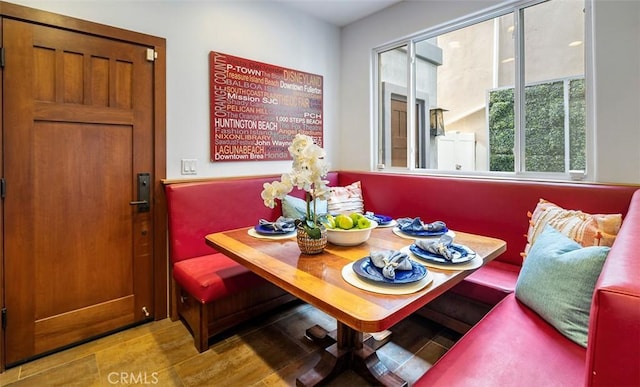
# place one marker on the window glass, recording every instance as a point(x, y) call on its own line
point(467, 66)
point(393, 74)
point(553, 56)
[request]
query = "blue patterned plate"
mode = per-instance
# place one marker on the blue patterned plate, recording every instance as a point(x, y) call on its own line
point(425, 233)
point(461, 254)
point(265, 230)
point(367, 270)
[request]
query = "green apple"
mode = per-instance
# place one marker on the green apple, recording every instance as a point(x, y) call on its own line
point(344, 222)
point(364, 222)
point(329, 221)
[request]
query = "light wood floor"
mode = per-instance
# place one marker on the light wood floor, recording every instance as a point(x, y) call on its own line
point(268, 352)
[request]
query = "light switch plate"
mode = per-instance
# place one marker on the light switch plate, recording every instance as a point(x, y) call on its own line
point(188, 166)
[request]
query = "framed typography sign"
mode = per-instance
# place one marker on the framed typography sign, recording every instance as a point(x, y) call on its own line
point(256, 108)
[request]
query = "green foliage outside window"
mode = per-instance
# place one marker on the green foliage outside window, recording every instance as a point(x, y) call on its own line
point(544, 127)
point(501, 130)
point(577, 125)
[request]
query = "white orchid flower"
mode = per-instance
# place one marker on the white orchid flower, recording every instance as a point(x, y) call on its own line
point(308, 170)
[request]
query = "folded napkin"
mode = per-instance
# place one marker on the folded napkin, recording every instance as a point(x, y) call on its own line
point(415, 224)
point(442, 247)
point(281, 224)
point(390, 261)
point(370, 215)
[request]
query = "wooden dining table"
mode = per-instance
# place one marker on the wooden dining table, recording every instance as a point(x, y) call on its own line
point(318, 280)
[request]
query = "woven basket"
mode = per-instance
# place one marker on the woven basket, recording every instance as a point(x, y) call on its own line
point(311, 246)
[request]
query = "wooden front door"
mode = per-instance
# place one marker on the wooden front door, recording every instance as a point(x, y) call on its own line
point(78, 129)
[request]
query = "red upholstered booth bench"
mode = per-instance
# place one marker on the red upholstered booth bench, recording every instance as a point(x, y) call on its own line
point(210, 292)
point(514, 346)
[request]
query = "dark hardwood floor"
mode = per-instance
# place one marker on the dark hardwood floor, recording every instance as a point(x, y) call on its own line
point(270, 351)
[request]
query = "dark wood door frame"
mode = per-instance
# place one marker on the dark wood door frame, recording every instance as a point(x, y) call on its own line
point(12, 11)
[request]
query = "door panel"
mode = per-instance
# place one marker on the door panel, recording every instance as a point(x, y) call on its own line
point(398, 133)
point(92, 191)
point(78, 129)
point(62, 329)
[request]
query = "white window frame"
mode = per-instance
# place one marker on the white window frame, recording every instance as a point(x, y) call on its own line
point(515, 8)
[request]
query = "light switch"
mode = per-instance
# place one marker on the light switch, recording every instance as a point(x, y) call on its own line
point(188, 166)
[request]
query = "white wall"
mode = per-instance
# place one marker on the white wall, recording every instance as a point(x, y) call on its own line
point(616, 71)
point(617, 85)
point(258, 30)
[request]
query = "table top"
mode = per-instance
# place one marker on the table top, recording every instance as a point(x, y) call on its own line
point(317, 279)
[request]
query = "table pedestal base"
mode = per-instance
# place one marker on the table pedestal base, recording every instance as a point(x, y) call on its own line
point(348, 349)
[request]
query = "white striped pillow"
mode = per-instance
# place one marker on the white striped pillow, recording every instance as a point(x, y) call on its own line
point(346, 200)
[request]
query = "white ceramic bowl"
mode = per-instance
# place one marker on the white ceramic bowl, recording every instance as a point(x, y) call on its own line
point(352, 237)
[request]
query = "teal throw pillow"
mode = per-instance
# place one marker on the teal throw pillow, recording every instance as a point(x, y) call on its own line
point(296, 208)
point(557, 281)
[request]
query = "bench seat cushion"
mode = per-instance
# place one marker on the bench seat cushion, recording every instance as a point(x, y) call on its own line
point(511, 346)
point(214, 276)
point(491, 283)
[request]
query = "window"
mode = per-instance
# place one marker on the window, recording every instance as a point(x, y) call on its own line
point(510, 86)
